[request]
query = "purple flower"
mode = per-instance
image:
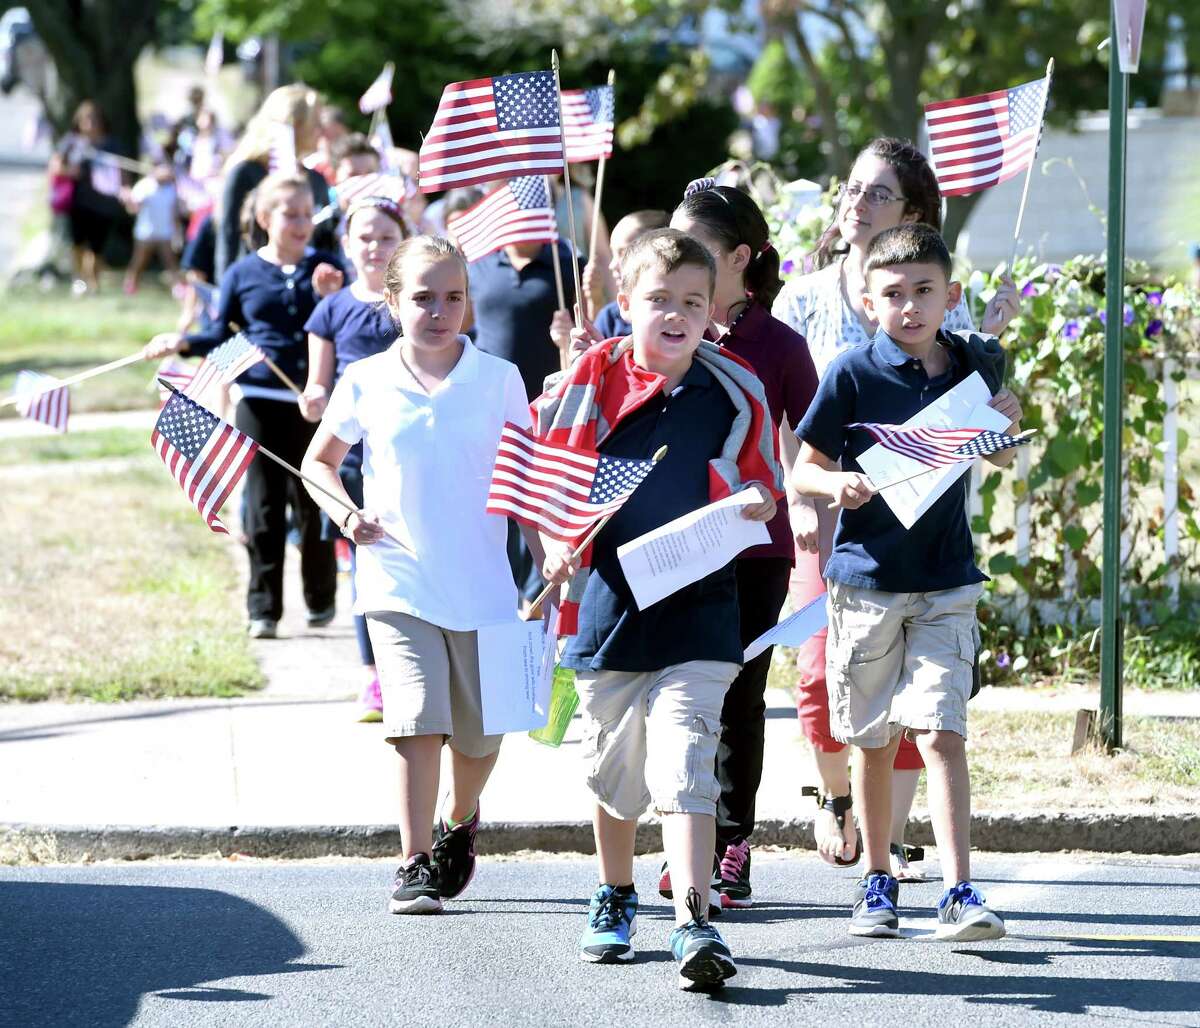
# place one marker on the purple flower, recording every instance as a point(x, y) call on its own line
point(1029, 289)
point(1154, 299)
point(1128, 315)
point(787, 267)
point(1053, 271)
point(1003, 659)
point(1089, 309)
point(1072, 329)
point(1154, 328)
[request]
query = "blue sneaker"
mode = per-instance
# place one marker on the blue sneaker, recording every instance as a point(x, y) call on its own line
point(612, 922)
point(963, 916)
point(704, 959)
point(875, 907)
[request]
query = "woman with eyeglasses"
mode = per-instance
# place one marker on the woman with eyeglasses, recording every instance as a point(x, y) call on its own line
point(891, 183)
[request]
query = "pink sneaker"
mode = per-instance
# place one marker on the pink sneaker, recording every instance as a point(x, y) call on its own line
point(370, 704)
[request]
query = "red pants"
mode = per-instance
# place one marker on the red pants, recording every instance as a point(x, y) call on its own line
point(812, 697)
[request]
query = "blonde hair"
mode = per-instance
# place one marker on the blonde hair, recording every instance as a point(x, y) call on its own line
point(429, 249)
point(266, 193)
point(297, 105)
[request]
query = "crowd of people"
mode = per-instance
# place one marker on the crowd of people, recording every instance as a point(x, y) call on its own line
point(409, 361)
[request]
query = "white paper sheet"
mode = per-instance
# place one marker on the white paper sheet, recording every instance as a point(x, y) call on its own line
point(513, 683)
point(964, 406)
point(683, 551)
point(794, 630)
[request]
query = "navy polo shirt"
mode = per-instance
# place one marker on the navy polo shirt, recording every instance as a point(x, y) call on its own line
point(610, 324)
point(513, 310)
point(700, 622)
point(879, 382)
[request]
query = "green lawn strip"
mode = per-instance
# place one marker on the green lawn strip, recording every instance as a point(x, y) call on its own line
point(112, 588)
point(93, 445)
point(58, 334)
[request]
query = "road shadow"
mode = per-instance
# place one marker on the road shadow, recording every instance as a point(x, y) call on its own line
point(86, 954)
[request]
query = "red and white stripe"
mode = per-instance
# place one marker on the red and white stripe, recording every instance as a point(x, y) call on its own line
point(40, 398)
point(211, 370)
point(281, 155)
point(465, 146)
point(933, 447)
point(498, 220)
point(970, 145)
point(210, 478)
point(587, 140)
point(395, 187)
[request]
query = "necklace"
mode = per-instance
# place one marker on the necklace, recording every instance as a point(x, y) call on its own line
point(740, 314)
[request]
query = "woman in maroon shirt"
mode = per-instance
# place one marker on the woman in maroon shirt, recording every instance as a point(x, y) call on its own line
point(730, 225)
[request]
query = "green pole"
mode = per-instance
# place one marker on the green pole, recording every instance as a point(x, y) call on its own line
point(1111, 626)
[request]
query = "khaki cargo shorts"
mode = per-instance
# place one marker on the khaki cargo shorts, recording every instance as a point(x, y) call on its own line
point(899, 660)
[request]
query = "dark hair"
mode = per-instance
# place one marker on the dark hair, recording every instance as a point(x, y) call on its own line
point(353, 145)
point(733, 219)
point(907, 244)
point(666, 250)
point(460, 199)
point(918, 183)
point(89, 107)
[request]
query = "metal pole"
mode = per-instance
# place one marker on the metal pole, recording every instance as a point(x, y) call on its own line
point(1111, 625)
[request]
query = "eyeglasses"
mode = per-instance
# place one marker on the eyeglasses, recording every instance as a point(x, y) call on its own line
point(875, 196)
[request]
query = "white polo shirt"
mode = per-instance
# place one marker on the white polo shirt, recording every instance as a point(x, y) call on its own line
point(427, 465)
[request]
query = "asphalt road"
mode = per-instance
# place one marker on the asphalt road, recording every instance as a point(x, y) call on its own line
point(257, 943)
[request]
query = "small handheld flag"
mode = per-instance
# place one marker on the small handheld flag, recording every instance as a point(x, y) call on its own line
point(214, 56)
point(205, 455)
point(396, 188)
point(41, 398)
point(224, 364)
point(492, 128)
point(520, 211)
point(561, 491)
point(588, 117)
point(940, 447)
point(281, 157)
point(379, 92)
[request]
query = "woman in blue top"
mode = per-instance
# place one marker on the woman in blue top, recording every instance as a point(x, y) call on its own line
point(268, 296)
point(352, 324)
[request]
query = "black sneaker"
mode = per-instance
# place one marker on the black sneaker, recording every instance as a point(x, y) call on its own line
point(875, 907)
point(704, 959)
point(321, 618)
point(416, 887)
point(735, 875)
point(454, 855)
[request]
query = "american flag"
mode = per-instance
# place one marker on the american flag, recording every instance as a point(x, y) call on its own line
point(396, 188)
point(588, 116)
point(41, 398)
point(205, 455)
point(981, 141)
point(519, 211)
point(938, 447)
point(224, 364)
point(379, 92)
point(106, 174)
point(560, 490)
point(494, 128)
point(281, 157)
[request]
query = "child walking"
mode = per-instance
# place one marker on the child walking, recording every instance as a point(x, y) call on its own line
point(347, 326)
point(154, 202)
point(429, 412)
point(902, 626)
point(652, 682)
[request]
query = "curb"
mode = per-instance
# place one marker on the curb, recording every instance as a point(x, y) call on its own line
point(1100, 832)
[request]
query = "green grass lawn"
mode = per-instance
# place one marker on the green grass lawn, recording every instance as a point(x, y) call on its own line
point(98, 444)
point(112, 588)
point(59, 334)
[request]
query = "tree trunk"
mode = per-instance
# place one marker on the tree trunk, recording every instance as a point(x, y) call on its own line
point(94, 45)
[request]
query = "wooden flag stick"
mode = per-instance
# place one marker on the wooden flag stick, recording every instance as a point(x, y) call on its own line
point(1032, 161)
point(281, 375)
point(299, 474)
point(612, 77)
point(83, 376)
point(594, 531)
point(107, 157)
point(558, 279)
point(562, 134)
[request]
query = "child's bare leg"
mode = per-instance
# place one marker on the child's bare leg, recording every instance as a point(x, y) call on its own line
point(166, 254)
point(690, 841)
point(904, 791)
point(468, 776)
point(420, 760)
point(614, 846)
point(137, 264)
point(873, 797)
point(949, 791)
point(834, 771)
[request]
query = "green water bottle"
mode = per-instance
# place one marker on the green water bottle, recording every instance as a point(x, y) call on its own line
point(563, 701)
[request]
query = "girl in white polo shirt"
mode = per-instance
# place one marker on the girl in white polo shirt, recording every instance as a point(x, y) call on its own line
point(429, 411)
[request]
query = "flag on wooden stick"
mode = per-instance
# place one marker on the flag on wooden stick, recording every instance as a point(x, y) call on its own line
point(980, 141)
point(224, 364)
point(588, 117)
point(204, 454)
point(281, 157)
point(40, 398)
point(520, 211)
point(938, 447)
point(493, 128)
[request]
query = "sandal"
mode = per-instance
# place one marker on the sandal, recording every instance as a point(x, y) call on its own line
point(838, 806)
point(902, 856)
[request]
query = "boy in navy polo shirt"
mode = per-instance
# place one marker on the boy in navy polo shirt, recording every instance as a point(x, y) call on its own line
point(902, 628)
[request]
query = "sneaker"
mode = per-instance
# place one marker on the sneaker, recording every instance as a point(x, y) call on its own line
point(261, 628)
point(714, 889)
point(875, 907)
point(704, 959)
point(734, 870)
point(370, 704)
point(416, 887)
point(320, 618)
point(454, 855)
point(963, 916)
point(612, 922)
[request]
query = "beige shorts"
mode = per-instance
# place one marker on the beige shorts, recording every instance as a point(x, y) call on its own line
point(899, 660)
point(651, 737)
point(429, 678)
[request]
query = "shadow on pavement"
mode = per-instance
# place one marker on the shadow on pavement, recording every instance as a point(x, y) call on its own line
point(86, 954)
